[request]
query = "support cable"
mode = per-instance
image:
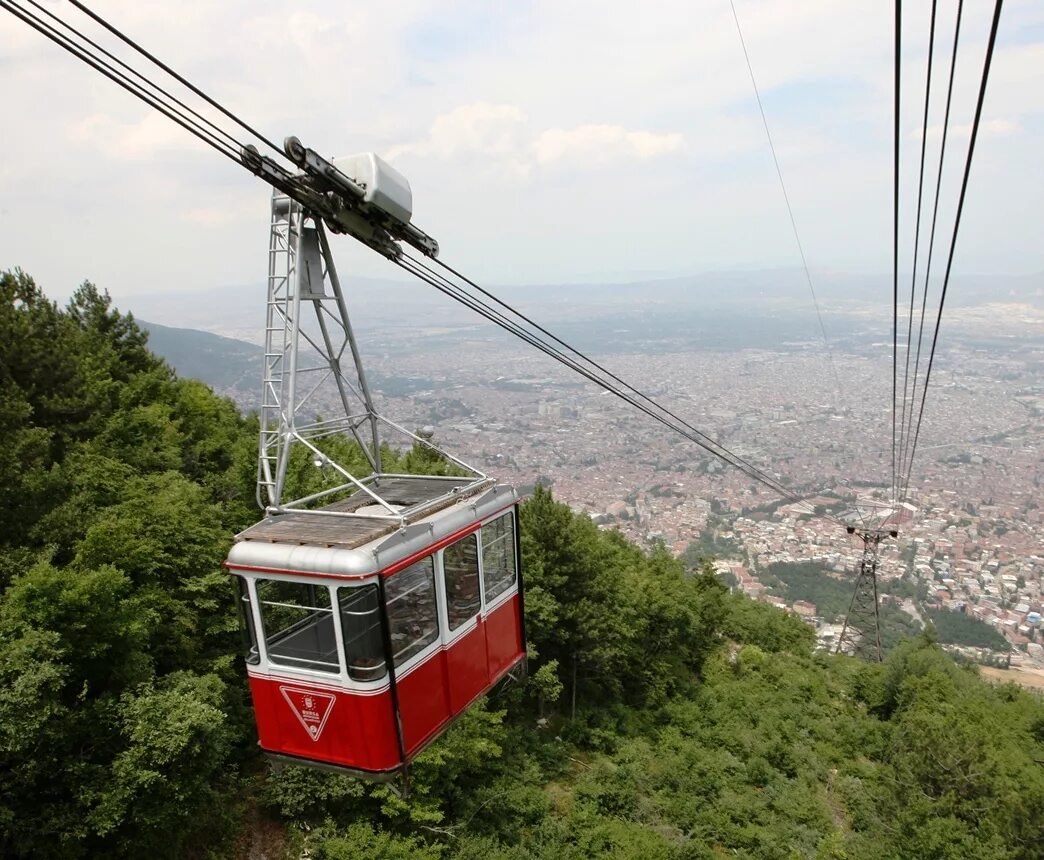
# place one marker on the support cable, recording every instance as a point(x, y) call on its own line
point(635, 398)
point(905, 463)
point(236, 144)
point(502, 321)
point(119, 78)
point(790, 211)
point(917, 239)
point(957, 221)
point(129, 41)
point(592, 363)
point(895, 236)
point(603, 370)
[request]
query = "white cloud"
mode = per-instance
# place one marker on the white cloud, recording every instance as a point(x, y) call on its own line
point(147, 138)
point(473, 129)
point(501, 134)
point(991, 128)
point(987, 128)
point(601, 145)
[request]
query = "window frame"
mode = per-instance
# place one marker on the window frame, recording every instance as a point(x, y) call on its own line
point(379, 611)
point(401, 668)
point(248, 620)
point(471, 621)
point(337, 670)
point(489, 603)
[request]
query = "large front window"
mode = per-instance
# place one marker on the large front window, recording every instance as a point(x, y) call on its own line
point(498, 556)
point(361, 629)
point(413, 616)
point(298, 624)
point(460, 565)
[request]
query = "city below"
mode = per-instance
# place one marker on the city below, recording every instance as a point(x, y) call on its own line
point(971, 530)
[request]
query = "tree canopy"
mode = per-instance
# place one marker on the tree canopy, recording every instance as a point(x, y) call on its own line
point(125, 718)
point(663, 717)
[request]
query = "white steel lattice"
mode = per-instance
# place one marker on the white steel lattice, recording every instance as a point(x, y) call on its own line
point(861, 632)
point(308, 338)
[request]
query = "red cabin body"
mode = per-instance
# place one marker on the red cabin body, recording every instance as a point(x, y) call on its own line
point(367, 639)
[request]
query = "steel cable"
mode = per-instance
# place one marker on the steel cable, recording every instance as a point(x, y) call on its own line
point(594, 372)
point(895, 237)
point(501, 321)
point(600, 368)
point(790, 210)
point(917, 240)
point(957, 220)
point(119, 78)
point(905, 464)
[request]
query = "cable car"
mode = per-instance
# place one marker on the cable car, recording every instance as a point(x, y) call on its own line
point(365, 640)
point(376, 608)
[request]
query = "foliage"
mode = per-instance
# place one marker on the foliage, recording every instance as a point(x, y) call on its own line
point(663, 717)
point(711, 544)
point(125, 718)
point(956, 628)
point(361, 840)
point(622, 625)
point(768, 628)
point(811, 581)
point(896, 625)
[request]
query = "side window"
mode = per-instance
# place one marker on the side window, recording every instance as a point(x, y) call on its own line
point(361, 628)
point(413, 616)
point(246, 622)
point(498, 555)
point(460, 566)
point(298, 624)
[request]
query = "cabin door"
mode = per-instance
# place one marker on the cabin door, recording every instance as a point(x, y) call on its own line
point(467, 664)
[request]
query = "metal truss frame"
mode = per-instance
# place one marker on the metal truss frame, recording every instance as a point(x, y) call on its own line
point(861, 632)
point(308, 339)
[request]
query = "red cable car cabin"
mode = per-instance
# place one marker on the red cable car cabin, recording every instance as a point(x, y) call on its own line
point(367, 640)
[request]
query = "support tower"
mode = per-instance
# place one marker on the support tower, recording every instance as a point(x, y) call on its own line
point(312, 360)
point(861, 633)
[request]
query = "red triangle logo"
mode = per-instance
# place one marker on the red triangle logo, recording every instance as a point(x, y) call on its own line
point(312, 709)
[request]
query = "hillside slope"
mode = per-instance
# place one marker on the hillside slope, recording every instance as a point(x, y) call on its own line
point(223, 363)
point(662, 718)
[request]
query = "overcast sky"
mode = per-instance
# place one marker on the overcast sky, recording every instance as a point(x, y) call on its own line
point(545, 141)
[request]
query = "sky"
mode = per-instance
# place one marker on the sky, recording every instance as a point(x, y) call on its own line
point(546, 142)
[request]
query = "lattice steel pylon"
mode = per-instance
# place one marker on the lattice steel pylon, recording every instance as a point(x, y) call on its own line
point(861, 632)
point(307, 335)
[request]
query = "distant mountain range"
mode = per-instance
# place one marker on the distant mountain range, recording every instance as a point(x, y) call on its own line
point(239, 311)
point(216, 337)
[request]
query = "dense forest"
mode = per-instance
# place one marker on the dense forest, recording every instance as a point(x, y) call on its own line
point(966, 630)
point(662, 718)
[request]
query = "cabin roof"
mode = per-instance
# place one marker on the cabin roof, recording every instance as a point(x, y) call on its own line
point(318, 528)
point(353, 544)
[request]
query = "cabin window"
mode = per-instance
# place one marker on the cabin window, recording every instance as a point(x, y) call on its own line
point(460, 566)
point(498, 556)
point(413, 616)
point(361, 629)
point(298, 624)
point(246, 623)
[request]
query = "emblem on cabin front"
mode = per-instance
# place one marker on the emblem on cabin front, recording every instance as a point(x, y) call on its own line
point(311, 709)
